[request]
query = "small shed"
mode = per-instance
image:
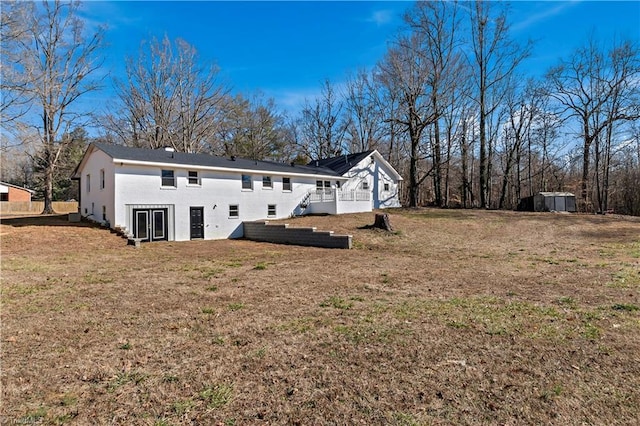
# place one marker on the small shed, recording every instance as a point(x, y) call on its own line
point(9, 192)
point(549, 202)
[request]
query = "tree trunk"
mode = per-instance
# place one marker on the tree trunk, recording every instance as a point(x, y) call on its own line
point(48, 190)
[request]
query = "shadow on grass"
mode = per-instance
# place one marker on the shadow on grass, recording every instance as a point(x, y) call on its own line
point(45, 220)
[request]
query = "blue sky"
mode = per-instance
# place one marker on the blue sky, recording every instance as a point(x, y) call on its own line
point(285, 49)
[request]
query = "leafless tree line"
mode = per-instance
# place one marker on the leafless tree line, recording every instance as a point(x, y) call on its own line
point(447, 105)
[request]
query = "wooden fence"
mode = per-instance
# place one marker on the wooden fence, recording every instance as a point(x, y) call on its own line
point(27, 207)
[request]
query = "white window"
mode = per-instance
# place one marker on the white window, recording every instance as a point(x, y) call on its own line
point(326, 185)
point(266, 182)
point(271, 210)
point(193, 178)
point(234, 211)
point(286, 184)
point(102, 179)
point(168, 178)
point(247, 183)
point(88, 183)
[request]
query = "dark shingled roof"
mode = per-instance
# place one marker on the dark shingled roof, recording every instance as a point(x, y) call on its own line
point(205, 160)
point(343, 163)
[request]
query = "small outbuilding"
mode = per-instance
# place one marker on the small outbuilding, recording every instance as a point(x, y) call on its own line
point(549, 202)
point(9, 192)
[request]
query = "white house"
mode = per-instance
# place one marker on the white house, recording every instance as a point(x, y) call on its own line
point(165, 195)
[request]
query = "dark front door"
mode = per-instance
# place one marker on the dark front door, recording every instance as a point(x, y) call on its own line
point(150, 224)
point(197, 222)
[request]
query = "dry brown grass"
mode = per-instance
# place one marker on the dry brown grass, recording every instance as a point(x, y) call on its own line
point(461, 317)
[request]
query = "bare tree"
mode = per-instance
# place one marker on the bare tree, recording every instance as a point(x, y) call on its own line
point(437, 22)
point(494, 59)
point(168, 99)
point(598, 90)
point(15, 100)
point(255, 129)
point(405, 69)
point(321, 125)
point(364, 116)
point(56, 62)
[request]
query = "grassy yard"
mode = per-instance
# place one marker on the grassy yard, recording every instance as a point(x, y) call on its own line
point(458, 317)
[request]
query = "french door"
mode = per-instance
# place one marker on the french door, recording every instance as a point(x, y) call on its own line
point(150, 224)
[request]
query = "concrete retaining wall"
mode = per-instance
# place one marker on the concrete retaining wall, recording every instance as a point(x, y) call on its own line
point(282, 234)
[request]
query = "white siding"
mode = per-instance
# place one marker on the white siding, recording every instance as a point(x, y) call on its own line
point(141, 186)
point(375, 174)
point(128, 187)
point(97, 196)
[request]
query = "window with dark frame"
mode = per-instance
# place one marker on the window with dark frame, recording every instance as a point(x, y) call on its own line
point(234, 211)
point(104, 212)
point(168, 178)
point(246, 182)
point(101, 178)
point(88, 183)
point(193, 178)
point(266, 182)
point(271, 210)
point(386, 187)
point(365, 185)
point(286, 184)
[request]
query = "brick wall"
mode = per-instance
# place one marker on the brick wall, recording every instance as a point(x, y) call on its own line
point(16, 194)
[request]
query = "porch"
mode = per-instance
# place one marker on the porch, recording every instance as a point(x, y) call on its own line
point(337, 201)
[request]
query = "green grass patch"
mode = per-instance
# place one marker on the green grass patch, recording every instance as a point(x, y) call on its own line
point(260, 266)
point(33, 417)
point(97, 279)
point(209, 272)
point(124, 378)
point(236, 306)
point(625, 307)
point(183, 406)
point(336, 302)
point(216, 396)
point(626, 278)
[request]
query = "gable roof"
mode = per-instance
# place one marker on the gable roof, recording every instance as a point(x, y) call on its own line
point(343, 163)
point(162, 157)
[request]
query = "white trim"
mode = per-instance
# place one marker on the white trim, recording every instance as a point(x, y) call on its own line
point(386, 164)
point(222, 169)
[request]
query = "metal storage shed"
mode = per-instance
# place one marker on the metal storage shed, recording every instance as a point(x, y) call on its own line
point(549, 202)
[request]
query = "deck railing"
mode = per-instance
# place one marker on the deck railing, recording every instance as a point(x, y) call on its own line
point(329, 195)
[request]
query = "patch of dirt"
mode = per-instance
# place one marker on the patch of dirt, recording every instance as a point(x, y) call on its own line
point(456, 317)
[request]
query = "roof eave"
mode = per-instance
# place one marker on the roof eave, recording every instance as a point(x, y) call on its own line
point(223, 169)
